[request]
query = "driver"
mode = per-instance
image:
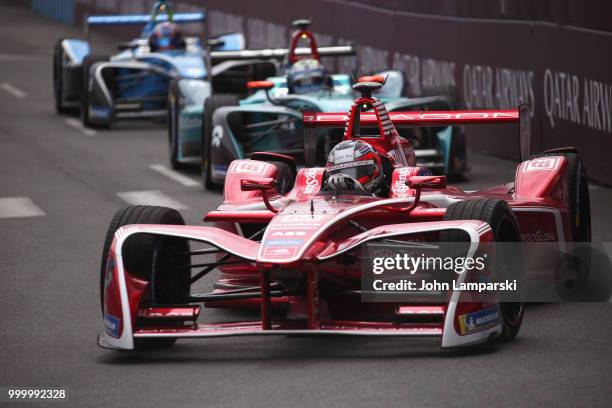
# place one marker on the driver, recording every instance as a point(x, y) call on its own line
point(355, 166)
point(306, 76)
point(165, 37)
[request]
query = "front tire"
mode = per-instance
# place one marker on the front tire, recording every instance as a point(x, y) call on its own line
point(151, 257)
point(210, 105)
point(58, 77)
point(499, 215)
point(88, 62)
point(173, 118)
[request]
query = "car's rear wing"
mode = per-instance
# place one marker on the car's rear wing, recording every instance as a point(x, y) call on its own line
point(281, 53)
point(415, 118)
point(133, 19)
point(433, 118)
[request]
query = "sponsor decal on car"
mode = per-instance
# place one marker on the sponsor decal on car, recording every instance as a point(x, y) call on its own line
point(288, 234)
point(399, 181)
point(538, 236)
point(248, 167)
point(541, 164)
point(351, 164)
point(311, 180)
point(217, 136)
point(343, 156)
point(282, 252)
point(480, 320)
point(293, 225)
point(283, 242)
point(300, 217)
point(112, 325)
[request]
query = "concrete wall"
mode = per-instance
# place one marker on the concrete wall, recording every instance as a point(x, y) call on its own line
point(60, 10)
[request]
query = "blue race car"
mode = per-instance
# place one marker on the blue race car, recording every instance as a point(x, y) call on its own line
point(135, 82)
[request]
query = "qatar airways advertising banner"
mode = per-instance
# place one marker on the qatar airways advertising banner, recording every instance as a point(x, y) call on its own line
point(484, 63)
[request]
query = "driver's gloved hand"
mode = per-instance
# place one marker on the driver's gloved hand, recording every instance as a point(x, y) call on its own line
point(342, 182)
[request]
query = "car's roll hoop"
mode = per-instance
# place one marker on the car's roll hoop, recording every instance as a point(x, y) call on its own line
point(367, 88)
point(301, 32)
point(355, 118)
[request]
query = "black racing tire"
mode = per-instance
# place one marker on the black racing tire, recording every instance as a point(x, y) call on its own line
point(580, 215)
point(143, 254)
point(173, 115)
point(457, 149)
point(88, 62)
point(210, 105)
point(579, 198)
point(503, 222)
point(58, 78)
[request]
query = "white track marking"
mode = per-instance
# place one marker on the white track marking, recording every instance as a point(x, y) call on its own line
point(151, 197)
point(13, 90)
point(21, 57)
point(17, 207)
point(76, 124)
point(176, 176)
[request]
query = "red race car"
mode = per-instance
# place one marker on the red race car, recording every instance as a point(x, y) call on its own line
point(290, 241)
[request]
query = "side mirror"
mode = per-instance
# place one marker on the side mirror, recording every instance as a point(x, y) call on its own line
point(256, 85)
point(257, 184)
point(372, 78)
point(215, 43)
point(433, 182)
point(227, 42)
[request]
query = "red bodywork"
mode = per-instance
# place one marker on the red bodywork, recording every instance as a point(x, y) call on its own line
point(308, 239)
point(302, 34)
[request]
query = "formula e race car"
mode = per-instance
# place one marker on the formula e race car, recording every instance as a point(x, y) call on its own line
point(135, 82)
point(227, 127)
point(287, 245)
point(191, 108)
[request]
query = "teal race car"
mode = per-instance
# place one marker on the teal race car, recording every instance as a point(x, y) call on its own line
point(213, 129)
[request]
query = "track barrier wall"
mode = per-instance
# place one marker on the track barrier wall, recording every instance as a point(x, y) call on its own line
point(553, 54)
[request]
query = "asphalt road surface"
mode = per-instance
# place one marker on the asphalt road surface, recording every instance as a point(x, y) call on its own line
point(59, 187)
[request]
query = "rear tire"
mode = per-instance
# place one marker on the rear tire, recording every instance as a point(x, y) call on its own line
point(210, 105)
point(141, 254)
point(580, 215)
point(173, 117)
point(579, 198)
point(458, 156)
point(58, 77)
point(88, 62)
point(499, 215)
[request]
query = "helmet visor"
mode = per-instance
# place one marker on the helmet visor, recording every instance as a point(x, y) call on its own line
point(164, 42)
point(355, 169)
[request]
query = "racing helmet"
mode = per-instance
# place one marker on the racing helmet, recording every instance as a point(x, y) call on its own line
point(306, 76)
point(359, 161)
point(166, 36)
